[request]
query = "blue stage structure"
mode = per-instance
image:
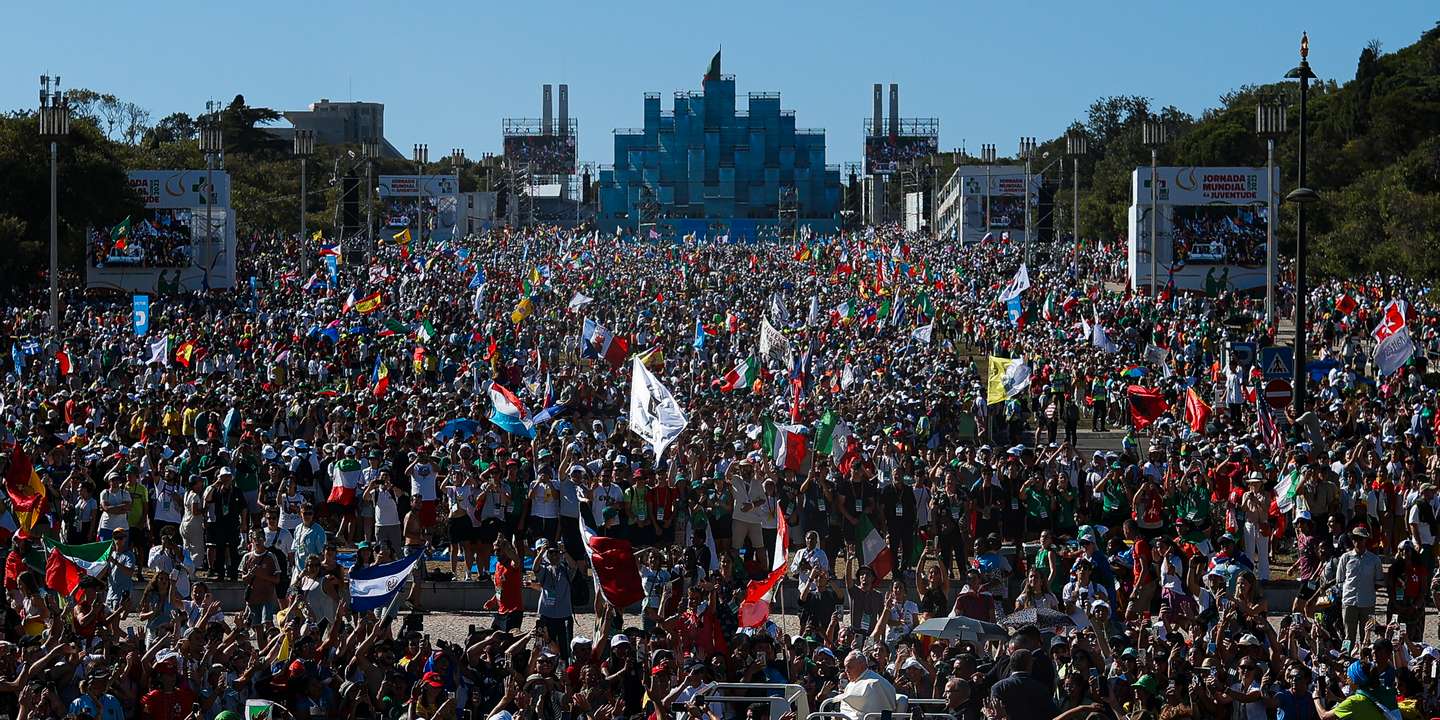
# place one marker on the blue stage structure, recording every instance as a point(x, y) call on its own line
point(706, 168)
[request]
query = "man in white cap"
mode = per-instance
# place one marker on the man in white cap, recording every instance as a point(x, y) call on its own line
point(1357, 574)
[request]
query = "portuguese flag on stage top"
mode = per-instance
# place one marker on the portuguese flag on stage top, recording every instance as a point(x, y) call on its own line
point(67, 564)
point(874, 551)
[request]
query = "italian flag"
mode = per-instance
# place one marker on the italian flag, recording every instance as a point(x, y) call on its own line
point(67, 564)
point(742, 376)
point(874, 551)
point(787, 445)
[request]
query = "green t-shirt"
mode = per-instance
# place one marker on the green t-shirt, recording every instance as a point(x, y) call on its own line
point(247, 474)
point(1358, 707)
point(139, 496)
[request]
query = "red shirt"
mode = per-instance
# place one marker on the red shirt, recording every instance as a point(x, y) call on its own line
point(507, 581)
point(174, 705)
point(1143, 562)
point(661, 500)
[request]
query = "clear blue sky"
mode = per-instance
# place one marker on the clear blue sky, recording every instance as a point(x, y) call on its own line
point(448, 72)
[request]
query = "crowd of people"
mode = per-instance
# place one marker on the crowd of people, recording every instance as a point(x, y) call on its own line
point(189, 509)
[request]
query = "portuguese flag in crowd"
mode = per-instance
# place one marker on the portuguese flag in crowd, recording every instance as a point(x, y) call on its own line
point(67, 564)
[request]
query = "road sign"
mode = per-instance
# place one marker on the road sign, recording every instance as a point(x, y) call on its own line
point(1277, 361)
point(1242, 353)
point(1279, 394)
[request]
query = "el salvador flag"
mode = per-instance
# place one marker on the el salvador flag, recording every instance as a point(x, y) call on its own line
point(509, 414)
point(374, 587)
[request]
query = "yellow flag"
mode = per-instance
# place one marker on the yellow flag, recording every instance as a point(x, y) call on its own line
point(522, 310)
point(402, 237)
point(317, 236)
point(1007, 378)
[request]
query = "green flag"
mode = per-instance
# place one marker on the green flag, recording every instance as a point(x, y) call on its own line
point(767, 437)
point(824, 433)
point(425, 332)
point(121, 230)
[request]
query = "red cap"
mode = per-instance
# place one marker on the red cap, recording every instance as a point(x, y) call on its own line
point(433, 679)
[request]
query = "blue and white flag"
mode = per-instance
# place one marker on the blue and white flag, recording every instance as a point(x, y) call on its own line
point(699, 341)
point(375, 586)
point(508, 413)
point(1013, 310)
point(478, 279)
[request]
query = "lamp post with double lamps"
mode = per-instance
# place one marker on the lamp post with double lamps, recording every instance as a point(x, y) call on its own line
point(1154, 134)
point(304, 147)
point(1270, 124)
point(54, 117)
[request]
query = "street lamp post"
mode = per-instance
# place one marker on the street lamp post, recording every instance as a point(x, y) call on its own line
point(1027, 151)
point(421, 155)
point(987, 156)
point(1270, 123)
point(303, 148)
point(1301, 196)
point(54, 117)
point(1076, 144)
point(371, 149)
point(1155, 134)
point(211, 144)
point(457, 158)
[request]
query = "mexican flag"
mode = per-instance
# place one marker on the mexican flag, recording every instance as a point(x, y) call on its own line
point(874, 551)
point(787, 445)
point(68, 563)
point(1050, 311)
point(742, 376)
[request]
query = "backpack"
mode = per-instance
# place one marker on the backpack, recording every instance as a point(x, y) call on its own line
point(282, 568)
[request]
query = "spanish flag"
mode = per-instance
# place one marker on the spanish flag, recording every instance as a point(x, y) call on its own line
point(23, 486)
point(402, 237)
point(184, 352)
point(368, 304)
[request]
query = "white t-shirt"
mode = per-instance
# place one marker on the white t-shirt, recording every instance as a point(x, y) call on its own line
point(607, 495)
point(544, 499)
point(386, 511)
point(1423, 528)
point(422, 482)
point(169, 502)
point(114, 521)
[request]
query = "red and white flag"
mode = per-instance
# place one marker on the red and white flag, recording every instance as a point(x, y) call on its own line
point(616, 573)
point(755, 608)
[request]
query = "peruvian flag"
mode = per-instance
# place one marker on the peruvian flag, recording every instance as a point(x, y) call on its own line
point(755, 608)
point(63, 358)
point(67, 564)
point(788, 445)
point(732, 322)
point(616, 573)
point(1197, 413)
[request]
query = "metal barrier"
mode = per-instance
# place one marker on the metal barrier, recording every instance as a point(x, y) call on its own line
point(791, 696)
point(906, 716)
